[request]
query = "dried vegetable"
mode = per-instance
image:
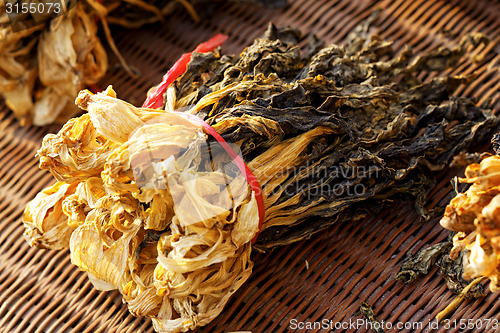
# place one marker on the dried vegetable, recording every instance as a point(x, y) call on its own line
point(150, 204)
point(142, 210)
point(45, 62)
point(474, 215)
point(438, 255)
point(366, 310)
point(334, 131)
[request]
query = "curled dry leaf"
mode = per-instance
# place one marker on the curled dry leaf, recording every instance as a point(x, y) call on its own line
point(474, 214)
point(43, 68)
point(46, 224)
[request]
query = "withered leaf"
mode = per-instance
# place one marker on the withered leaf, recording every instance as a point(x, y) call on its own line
point(420, 264)
point(452, 271)
point(438, 255)
point(367, 312)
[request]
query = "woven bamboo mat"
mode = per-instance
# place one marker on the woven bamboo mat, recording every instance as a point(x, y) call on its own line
point(324, 278)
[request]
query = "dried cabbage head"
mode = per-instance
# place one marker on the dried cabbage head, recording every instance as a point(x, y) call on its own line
point(43, 68)
point(475, 215)
point(44, 62)
point(149, 205)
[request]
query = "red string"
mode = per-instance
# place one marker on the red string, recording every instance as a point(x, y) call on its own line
point(249, 176)
point(154, 99)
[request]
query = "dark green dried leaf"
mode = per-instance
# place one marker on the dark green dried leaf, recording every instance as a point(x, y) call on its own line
point(415, 266)
point(370, 123)
point(438, 255)
point(452, 271)
point(367, 312)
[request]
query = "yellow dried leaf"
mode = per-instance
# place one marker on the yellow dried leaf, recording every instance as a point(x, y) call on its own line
point(475, 215)
point(44, 220)
point(154, 210)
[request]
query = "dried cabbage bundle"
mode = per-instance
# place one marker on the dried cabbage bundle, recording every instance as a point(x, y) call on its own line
point(474, 215)
point(151, 205)
point(45, 62)
point(333, 132)
point(147, 207)
point(42, 68)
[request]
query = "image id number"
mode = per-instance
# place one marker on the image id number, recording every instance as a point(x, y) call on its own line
point(470, 323)
point(33, 8)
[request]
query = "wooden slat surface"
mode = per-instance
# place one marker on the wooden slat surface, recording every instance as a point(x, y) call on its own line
point(324, 278)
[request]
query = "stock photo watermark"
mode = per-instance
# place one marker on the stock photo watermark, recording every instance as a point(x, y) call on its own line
point(367, 325)
point(339, 181)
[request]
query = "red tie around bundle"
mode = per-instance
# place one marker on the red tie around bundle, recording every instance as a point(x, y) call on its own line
point(155, 101)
